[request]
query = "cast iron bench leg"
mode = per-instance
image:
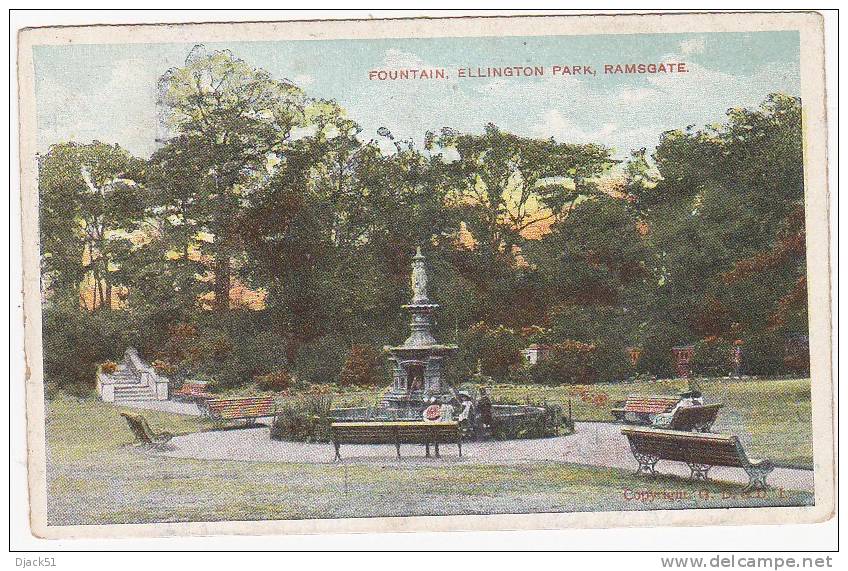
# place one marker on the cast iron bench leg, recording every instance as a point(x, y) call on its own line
point(436, 444)
point(757, 478)
point(699, 471)
point(646, 463)
point(338, 456)
point(427, 449)
point(459, 445)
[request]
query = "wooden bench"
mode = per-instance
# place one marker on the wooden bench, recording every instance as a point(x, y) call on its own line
point(397, 433)
point(144, 435)
point(640, 409)
point(697, 450)
point(193, 391)
point(238, 408)
point(698, 418)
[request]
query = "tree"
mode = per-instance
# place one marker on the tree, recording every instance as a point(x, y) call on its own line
point(290, 252)
point(720, 275)
point(505, 183)
point(238, 123)
point(90, 206)
point(593, 256)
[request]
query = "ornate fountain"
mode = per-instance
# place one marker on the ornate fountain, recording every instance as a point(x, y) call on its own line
point(417, 365)
point(417, 378)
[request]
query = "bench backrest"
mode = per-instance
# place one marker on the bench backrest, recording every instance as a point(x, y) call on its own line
point(692, 417)
point(241, 407)
point(139, 427)
point(689, 447)
point(650, 404)
point(391, 432)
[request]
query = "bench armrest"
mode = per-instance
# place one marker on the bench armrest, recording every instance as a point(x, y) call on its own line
point(761, 463)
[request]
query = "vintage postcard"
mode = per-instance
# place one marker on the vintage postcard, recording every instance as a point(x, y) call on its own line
point(426, 274)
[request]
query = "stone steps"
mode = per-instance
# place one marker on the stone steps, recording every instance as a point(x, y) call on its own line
point(133, 393)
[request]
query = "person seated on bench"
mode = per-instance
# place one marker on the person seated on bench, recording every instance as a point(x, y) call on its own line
point(687, 399)
point(433, 412)
point(446, 411)
point(466, 411)
point(484, 407)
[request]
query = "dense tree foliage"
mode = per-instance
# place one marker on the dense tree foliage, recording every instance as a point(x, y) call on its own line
point(268, 241)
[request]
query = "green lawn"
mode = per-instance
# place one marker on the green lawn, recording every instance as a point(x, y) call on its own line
point(95, 475)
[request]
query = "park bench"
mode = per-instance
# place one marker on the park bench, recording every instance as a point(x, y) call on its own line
point(697, 450)
point(397, 433)
point(144, 435)
point(238, 408)
point(639, 409)
point(193, 391)
point(698, 418)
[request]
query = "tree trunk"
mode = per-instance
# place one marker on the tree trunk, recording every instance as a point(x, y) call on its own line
point(108, 294)
point(222, 282)
point(97, 293)
point(292, 350)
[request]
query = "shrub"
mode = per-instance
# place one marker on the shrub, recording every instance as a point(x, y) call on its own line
point(497, 349)
point(603, 324)
point(519, 375)
point(569, 362)
point(610, 362)
point(796, 351)
point(362, 367)
point(763, 354)
point(76, 342)
point(656, 358)
point(275, 381)
point(712, 358)
point(163, 367)
point(212, 384)
point(306, 419)
point(260, 352)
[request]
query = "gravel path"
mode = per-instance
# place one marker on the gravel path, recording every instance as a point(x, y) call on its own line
point(172, 406)
point(594, 444)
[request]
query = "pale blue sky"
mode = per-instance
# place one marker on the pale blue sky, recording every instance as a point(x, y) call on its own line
point(108, 92)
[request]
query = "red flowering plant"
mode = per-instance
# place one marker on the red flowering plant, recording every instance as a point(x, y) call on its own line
point(163, 367)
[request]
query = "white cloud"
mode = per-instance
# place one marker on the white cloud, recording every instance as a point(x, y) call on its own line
point(303, 80)
point(633, 95)
point(555, 124)
point(693, 46)
point(397, 59)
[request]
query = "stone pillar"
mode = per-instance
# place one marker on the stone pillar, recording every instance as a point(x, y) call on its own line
point(432, 375)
